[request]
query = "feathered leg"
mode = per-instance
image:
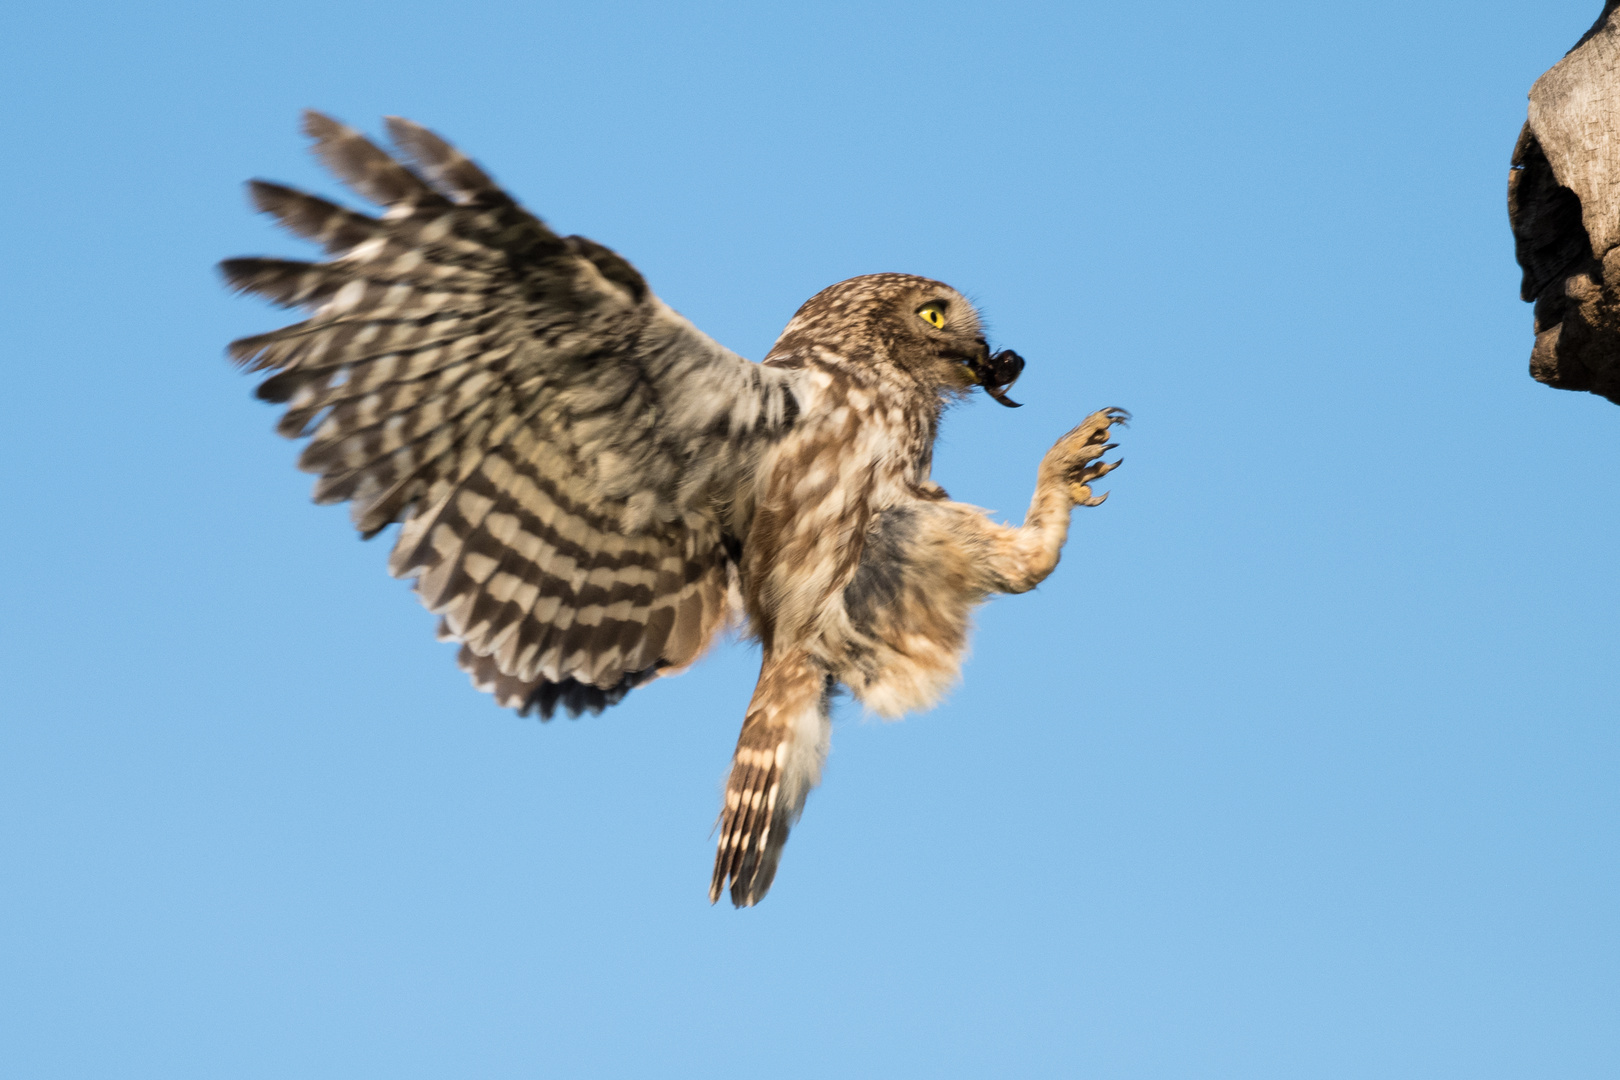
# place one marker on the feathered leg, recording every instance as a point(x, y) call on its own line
point(780, 751)
point(1020, 558)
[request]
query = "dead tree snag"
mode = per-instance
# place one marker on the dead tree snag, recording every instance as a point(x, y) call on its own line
point(1564, 206)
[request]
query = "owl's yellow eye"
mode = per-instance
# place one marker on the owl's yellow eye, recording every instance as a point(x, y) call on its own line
point(932, 314)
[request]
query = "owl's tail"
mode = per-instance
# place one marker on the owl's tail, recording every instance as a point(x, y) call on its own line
point(780, 751)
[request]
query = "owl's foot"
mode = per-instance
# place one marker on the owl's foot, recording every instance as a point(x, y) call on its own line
point(1076, 457)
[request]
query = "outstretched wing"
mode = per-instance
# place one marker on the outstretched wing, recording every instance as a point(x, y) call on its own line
point(562, 448)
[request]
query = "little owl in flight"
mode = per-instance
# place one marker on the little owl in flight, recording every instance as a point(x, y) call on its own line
point(589, 488)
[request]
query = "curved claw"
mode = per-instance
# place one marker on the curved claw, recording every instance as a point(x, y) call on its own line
point(1097, 470)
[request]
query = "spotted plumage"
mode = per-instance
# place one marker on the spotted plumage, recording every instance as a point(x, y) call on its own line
point(589, 489)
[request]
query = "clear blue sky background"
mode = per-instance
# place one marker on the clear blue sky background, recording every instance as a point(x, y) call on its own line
point(1302, 765)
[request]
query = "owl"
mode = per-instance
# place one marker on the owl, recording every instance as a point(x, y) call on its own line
point(589, 490)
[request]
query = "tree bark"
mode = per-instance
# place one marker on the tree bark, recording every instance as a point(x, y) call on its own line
point(1564, 206)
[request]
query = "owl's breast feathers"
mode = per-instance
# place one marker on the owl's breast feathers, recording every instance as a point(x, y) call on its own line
point(849, 552)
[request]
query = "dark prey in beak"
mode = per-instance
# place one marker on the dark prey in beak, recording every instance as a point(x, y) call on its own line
point(996, 373)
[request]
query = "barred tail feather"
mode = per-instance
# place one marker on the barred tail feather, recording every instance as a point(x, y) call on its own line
point(779, 755)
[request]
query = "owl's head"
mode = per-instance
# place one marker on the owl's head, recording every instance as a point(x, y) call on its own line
point(919, 327)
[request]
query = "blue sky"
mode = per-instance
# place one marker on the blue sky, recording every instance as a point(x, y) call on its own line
point(1302, 764)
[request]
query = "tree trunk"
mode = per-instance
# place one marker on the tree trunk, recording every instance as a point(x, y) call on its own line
point(1564, 206)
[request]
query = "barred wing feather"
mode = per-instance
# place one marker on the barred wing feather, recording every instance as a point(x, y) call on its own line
point(562, 449)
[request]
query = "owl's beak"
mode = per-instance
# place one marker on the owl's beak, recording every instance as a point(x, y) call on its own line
point(996, 373)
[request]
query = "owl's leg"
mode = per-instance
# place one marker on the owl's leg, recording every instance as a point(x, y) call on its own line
point(780, 750)
point(1021, 558)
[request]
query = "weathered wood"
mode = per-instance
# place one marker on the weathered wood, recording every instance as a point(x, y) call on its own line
point(1564, 206)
